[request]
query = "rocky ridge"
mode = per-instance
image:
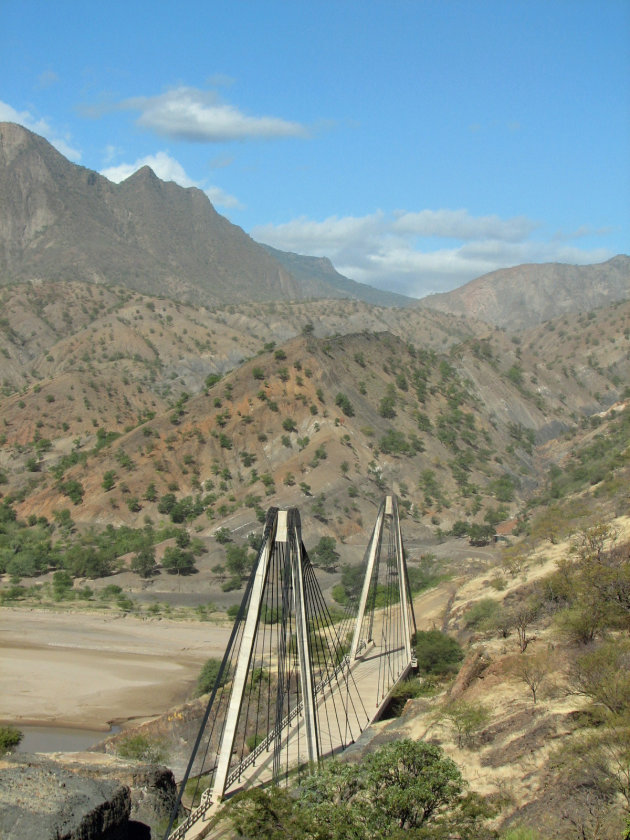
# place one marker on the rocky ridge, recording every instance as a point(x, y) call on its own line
point(82, 796)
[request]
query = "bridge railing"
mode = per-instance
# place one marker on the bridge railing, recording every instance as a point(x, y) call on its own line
point(277, 730)
point(197, 814)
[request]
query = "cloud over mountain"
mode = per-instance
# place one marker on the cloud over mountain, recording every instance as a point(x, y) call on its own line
point(167, 168)
point(416, 253)
point(198, 116)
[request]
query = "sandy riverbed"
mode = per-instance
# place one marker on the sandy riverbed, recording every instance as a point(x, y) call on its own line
point(83, 670)
point(89, 670)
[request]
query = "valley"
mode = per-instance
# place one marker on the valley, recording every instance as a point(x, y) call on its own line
point(152, 410)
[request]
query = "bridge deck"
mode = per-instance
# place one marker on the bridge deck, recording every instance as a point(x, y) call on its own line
point(365, 702)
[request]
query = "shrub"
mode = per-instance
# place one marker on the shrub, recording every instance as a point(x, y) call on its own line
point(437, 653)
point(344, 404)
point(223, 535)
point(386, 407)
point(209, 675)
point(482, 615)
point(109, 479)
point(467, 719)
point(73, 489)
point(10, 737)
point(252, 741)
point(403, 691)
point(212, 379)
point(393, 442)
point(140, 748)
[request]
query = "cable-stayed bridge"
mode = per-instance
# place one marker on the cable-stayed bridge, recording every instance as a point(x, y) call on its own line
point(299, 682)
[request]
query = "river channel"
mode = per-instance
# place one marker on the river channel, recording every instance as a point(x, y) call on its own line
point(49, 739)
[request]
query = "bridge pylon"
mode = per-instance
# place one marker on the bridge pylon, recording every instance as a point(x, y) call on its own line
point(297, 681)
point(385, 613)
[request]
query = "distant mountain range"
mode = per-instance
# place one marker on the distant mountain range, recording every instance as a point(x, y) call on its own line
point(63, 222)
point(320, 275)
point(526, 295)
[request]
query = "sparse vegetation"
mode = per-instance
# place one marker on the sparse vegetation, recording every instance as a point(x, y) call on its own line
point(10, 738)
point(141, 748)
point(209, 677)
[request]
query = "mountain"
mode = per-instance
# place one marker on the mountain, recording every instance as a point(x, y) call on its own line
point(64, 222)
point(319, 274)
point(451, 415)
point(526, 295)
point(61, 221)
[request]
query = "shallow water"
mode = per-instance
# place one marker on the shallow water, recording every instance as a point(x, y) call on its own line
point(48, 739)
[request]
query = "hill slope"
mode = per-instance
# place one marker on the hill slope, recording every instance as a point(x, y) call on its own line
point(320, 276)
point(526, 295)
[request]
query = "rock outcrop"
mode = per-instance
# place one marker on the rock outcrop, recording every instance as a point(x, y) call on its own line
point(82, 796)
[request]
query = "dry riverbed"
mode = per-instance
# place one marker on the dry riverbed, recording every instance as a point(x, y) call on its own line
point(90, 670)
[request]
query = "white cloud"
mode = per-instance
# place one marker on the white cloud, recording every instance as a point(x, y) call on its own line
point(187, 113)
point(220, 198)
point(387, 251)
point(320, 237)
point(459, 224)
point(39, 126)
point(169, 169)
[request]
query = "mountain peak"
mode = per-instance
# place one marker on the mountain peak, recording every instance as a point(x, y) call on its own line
point(144, 174)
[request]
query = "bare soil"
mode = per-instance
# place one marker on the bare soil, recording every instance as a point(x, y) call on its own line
point(81, 670)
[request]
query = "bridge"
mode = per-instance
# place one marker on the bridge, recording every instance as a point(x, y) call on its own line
point(299, 681)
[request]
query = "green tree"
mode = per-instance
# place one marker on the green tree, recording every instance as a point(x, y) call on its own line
point(603, 675)
point(208, 676)
point(223, 535)
point(182, 538)
point(325, 555)
point(10, 737)
point(237, 560)
point(480, 534)
point(344, 404)
point(467, 719)
point(437, 653)
point(405, 786)
point(143, 562)
point(167, 503)
point(179, 562)
point(62, 584)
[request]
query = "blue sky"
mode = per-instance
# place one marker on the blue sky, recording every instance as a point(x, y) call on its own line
point(417, 143)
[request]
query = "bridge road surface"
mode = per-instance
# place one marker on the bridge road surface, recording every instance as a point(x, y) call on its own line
point(364, 694)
